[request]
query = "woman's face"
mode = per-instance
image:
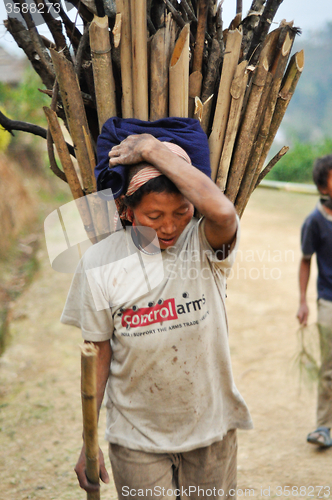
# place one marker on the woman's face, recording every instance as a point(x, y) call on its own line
point(166, 213)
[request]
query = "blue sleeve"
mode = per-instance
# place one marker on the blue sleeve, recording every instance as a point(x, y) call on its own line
point(309, 237)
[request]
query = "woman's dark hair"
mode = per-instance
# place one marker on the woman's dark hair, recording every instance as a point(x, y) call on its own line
point(321, 169)
point(160, 184)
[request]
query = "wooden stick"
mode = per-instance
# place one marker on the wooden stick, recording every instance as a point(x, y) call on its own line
point(262, 29)
point(256, 150)
point(290, 81)
point(271, 164)
point(102, 69)
point(70, 172)
point(270, 45)
point(200, 35)
point(249, 25)
point(89, 355)
point(196, 77)
point(212, 71)
point(161, 49)
point(179, 76)
point(247, 132)
point(279, 68)
point(140, 59)
point(75, 114)
point(123, 8)
point(216, 138)
point(239, 7)
point(195, 85)
point(292, 77)
point(22, 37)
point(98, 206)
point(238, 89)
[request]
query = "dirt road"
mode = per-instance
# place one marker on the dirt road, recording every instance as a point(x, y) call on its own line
point(40, 413)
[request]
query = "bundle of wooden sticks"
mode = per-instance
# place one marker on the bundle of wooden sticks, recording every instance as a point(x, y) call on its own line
point(149, 59)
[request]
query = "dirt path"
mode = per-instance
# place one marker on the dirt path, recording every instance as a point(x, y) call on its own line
point(40, 413)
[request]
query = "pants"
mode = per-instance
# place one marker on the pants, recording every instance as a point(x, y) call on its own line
point(324, 403)
point(200, 474)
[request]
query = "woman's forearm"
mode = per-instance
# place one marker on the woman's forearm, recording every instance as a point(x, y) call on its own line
point(193, 184)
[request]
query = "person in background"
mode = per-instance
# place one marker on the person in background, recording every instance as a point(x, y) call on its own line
point(316, 238)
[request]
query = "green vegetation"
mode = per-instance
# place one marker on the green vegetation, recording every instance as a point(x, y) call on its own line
point(296, 165)
point(23, 102)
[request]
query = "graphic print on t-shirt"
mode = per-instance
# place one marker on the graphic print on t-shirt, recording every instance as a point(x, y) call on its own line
point(163, 312)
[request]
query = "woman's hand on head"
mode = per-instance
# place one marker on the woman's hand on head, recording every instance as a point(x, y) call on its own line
point(132, 150)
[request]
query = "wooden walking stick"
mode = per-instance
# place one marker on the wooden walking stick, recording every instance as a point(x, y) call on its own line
point(89, 355)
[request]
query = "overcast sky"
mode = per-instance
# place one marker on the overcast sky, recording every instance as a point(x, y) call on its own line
point(307, 14)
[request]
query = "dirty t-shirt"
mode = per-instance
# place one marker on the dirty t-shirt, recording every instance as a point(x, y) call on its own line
point(171, 387)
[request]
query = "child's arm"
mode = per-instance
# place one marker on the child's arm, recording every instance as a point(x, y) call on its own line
point(304, 275)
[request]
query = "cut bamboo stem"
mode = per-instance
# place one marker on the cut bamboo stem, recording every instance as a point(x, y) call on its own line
point(75, 115)
point(70, 172)
point(102, 69)
point(98, 206)
point(256, 151)
point(273, 96)
point(139, 59)
point(161, 49)
point(264, 142)
point(179, 76)
point(292, 77)
point(247, 133)
point(238, 89)
point(89, 355)
point(123, 8)
point(216, 138)
point(196, 77)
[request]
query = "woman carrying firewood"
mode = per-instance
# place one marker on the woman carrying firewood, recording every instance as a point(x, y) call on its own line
point(163, 359)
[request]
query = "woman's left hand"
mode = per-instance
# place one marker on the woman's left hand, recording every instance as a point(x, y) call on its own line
point(132, 150)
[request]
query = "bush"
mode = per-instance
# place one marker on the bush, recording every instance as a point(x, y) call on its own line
point(296, 165)
point(24, 103)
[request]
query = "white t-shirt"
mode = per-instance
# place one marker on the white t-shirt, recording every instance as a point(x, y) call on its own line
point(171, 387)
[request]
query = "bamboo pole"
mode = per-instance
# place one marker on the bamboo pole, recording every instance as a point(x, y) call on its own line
point(161, 49)
point(238, 89)
point(278, 68)
point(256, 150)
point(290, 81)
point(102, 69)
point(98, 206)
point(123, 8)
point(196, 77)
point(179, 76)
point(70, 172)
point(139, 59)
point(216, 138)
point(75, 115)
point(270, 45)
point(292, 77)
point(247, 133)
point(89, 355)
